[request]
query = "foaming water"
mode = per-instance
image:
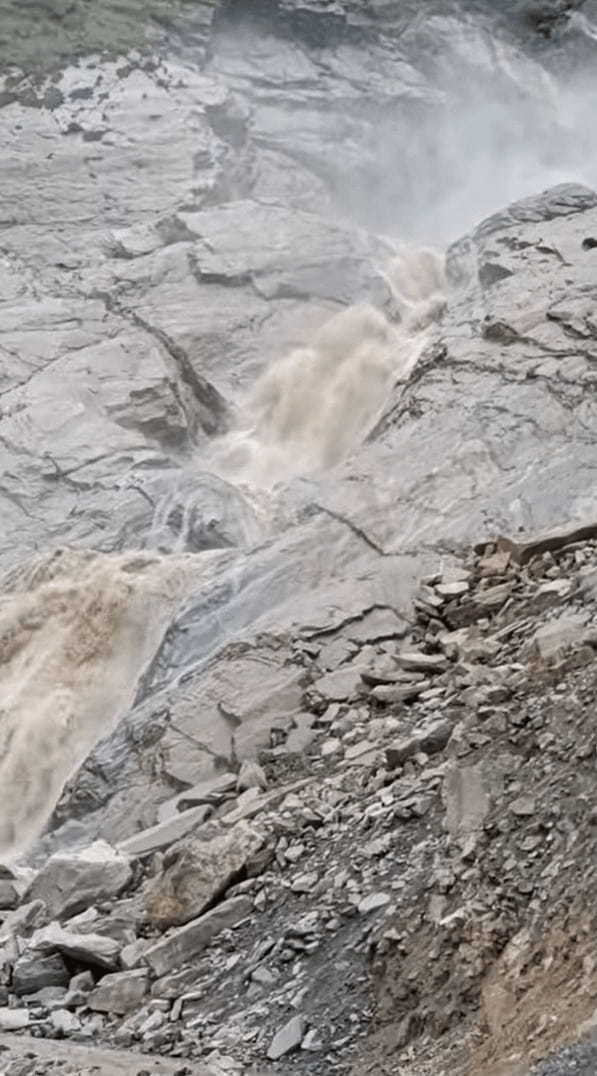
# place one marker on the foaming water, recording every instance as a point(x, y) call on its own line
point(76, 630)
point(311, 408)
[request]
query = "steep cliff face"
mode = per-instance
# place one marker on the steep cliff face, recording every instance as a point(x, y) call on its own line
point(239, 419)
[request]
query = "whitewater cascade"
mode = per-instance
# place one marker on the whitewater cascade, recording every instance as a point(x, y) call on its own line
point(77, 629)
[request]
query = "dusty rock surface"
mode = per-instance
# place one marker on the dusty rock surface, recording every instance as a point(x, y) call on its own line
point(297, 777)
point(426, 871)
point(29, 1056)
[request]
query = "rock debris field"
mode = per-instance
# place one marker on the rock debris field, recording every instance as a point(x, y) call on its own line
point(414, 849)
point(298, 539)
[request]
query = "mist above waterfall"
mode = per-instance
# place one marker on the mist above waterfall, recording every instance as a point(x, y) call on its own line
point(510, 114)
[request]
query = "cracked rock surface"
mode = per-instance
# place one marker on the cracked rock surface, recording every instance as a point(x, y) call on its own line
point(299, 779)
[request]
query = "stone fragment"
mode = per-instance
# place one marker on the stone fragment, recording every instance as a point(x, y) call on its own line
point(430, 739)
point(251, 775)
point(467, 799)
point(388, 693)
point(132, 955)
point(312, 1041)
point(120, 993)
point(198, 872)
point(164, 833)
point(523, 806)
point(287, 1038)
point(65, 1022)
point(22, 919)
point(558, 587)
point(495, 563)
point(418, 662)
point(263, 976)
point(32, 972)
point(523, 552)
point(355, 750)
point(82, 982)
point(51, 997)
point(452, 590)
point(494, 597)
point(553, 639)
point(336, 653)
point(345, 683)
point(305, 883)
point(207, 794)
point(94, 949)
point(428, 598)
point(330, 747)
point(184, 944)
point(9, 896)
point(71, 881)
point(468, 644)
point(301, 735)
point(372, 902)
point(14, 1019)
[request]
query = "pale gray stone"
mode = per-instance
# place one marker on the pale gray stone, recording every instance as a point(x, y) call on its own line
point(432, 738)
point(419, 662)
point(199, 871)
point(183, 944)
point(65, 1022)
point(288, 1038)
point(388, 693)
point(32, 972)
point(120, 993)
point(94, 949)
point(345, 683)
point(164, 833)
point(553, 639)
point(373, 902)
point(70, 882)
point(251, 775)
point(14, 1019)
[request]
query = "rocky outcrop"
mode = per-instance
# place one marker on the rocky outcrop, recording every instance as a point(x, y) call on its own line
point(468, 464)
point(318, 736)
point(445, 841)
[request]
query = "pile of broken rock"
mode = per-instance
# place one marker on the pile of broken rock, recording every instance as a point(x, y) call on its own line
point(409, 856)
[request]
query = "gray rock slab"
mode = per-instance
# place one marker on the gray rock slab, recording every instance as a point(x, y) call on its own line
point(432, 738)
point(164, 833)
point(288, 1038)
point(93, 949)
point(197, 872)
point(183, 944)
point(31, 973)
point(14, 1019)
point(69, 883)
point(120, 993)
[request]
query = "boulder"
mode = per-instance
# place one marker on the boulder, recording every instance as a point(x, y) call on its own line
point(198, 872)
point(32, 972)
point(182, 945)
point(94, 950)
point(70, 882)
point(120, 993)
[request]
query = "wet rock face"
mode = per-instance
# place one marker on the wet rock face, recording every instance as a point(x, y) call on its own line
point(146, 276)
point(133, 322)
point(176, 219)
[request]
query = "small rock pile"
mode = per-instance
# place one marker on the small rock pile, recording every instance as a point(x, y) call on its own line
point(425, 825)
